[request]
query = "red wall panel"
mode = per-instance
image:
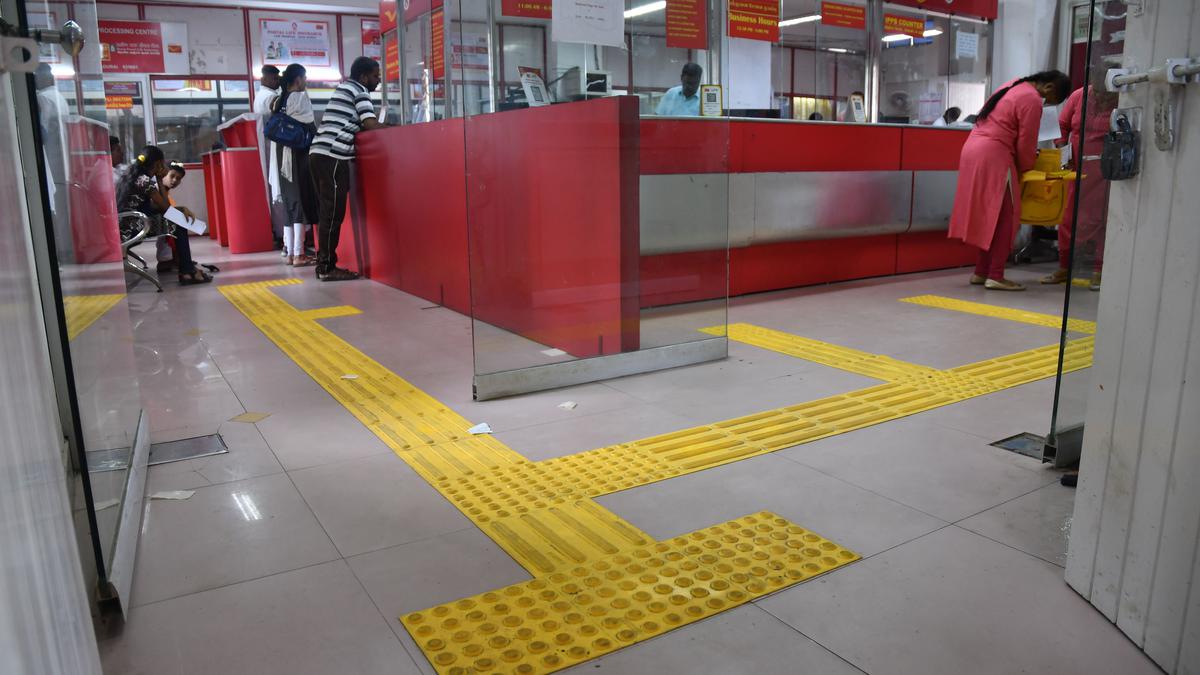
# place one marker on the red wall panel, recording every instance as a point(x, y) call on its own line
point(684, 146)
point(922, 251)
point(931, 149)
point(776, 146)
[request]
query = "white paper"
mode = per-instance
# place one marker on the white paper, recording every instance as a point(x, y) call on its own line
point(568, 405)
point(600, 22)
point(480, 429)
point(175, 495)
point(176, 216)
point(554, 352)
point(966, 45)
point(349, 376)
point(1049, 129)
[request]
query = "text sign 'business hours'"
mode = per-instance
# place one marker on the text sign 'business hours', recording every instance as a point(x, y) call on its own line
point(687, 24)
point(845, 16)
point(285, 42)
point(754, 19)
point(530, 9)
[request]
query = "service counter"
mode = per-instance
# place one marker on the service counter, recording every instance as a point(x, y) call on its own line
point(590, 213)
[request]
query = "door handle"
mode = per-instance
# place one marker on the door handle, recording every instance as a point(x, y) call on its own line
point(19, 47)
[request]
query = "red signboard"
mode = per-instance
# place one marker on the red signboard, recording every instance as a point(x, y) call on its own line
point(532, 9)
point(898, 24)
point(131, 47)
point(438, 45)
point(130, 89)
point(118, 102)
point(415, 9)
point(687, 24)
point(754, 19)
point(387, 15)
point(845, 16)
point(983, 9)
point(391, 61)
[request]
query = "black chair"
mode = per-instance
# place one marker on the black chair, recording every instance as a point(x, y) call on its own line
point(131, 238)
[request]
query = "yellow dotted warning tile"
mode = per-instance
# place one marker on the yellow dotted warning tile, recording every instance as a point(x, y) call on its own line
point(83, 310)
point(1007, 313)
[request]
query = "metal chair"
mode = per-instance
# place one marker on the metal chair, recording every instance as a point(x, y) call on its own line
point(136, 238)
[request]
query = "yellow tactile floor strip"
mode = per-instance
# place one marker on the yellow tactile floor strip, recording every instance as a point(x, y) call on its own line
point(330, 312)
point(1007, 313)
point(83, 310)
point(543, 513)
point(613, 601)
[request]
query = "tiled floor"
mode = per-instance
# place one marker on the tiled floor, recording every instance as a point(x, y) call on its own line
point(303, 544)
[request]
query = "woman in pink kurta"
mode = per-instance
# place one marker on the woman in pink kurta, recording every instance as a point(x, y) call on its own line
point(1088, 229)
point(1001, 147)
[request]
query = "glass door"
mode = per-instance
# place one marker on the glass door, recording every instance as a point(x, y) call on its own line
point(1098, 33)
point(64, 118)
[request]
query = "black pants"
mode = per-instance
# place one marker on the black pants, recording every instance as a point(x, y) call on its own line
point(331, 181)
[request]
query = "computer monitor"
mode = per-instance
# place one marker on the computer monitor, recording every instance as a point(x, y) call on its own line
point(599, 83)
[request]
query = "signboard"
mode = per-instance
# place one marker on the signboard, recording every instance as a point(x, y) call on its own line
point(130, 89)
point(593, 22)
point(844, 16)
point(371, 43)
point(754, 20)
point(469, 57)
point(284, 41)
point(118, 102)
point(415, 9)
point(687, 24)
point(983, 9)
point(387, 15)
point(530, 9)
point(711, 101)
point(898, 24)
point(142, 47)
point(391, 61)
point(438, 45)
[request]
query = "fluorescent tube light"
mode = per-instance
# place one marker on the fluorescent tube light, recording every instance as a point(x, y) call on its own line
point(646, 9)
point(799, 20)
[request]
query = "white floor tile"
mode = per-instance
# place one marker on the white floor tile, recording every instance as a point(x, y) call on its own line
point(1037, 523)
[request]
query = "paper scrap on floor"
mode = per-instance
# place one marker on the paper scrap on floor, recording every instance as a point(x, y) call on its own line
point(480, 429)
point(174, 495)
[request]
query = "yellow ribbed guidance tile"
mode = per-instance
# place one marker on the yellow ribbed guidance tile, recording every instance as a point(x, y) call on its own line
point(83, 310)
point(996, 312)
point(330, 312)
point(567, 617)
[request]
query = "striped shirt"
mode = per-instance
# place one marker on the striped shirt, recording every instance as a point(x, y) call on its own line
point(348, 108)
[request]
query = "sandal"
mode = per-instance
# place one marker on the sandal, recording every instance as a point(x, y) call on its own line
point(304, 261)
point(194, 279)
point(337, 274)
point(210, 268)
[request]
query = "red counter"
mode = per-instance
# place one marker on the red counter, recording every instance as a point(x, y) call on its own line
point(92, 195)
point(542, 185)
point(244, 217)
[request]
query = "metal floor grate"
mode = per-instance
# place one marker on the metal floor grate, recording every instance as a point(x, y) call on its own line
point(188, 448)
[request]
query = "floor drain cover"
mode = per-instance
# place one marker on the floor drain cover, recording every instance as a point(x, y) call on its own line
point(188, 448)
point(1030, 445)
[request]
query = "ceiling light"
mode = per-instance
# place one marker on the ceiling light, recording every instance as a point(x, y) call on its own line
point(932, 32)
point(838, 50)
point(799, 20)
point(895, 37)
point(646, 9)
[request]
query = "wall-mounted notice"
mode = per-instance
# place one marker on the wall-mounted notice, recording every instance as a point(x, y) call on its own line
point(143, 47)
point(372, 45)
point(531, 9)
point(687, 24)
point(754, 20)
point(469, 57)
point(966, 45)
point(597, 22)
point(897, 24)
point(437, 44)
point(285, 42)
point(843, 15)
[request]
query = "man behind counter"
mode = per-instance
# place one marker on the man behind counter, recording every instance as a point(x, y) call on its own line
point(684, 100)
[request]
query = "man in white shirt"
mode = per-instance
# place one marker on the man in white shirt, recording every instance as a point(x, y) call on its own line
point(53, 112)
point(264, 95)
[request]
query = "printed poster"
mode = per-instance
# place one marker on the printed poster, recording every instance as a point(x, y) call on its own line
point(754, 20)
point(372, 45)
point(843, 15)
point(897, 24)
point(469, 57)
point(530, 9)
point(687, 24)
point(597, 22)
point(285, 42)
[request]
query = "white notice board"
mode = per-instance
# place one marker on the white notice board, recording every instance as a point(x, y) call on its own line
point(600, 22)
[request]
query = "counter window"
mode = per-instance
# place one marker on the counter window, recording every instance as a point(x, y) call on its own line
point(187, 113)
point(818, 64)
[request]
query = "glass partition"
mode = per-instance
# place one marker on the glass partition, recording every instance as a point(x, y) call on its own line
point(188, 112)
point(819, 64)
point(1085, 119)
point(597, 239)
point(82, 273)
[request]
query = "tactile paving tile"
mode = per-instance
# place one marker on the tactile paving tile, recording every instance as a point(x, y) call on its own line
point(330, 312)
point(564, 535)
point(1007, 313)
point(843, 358)
point(83, 310)
point(561, 619)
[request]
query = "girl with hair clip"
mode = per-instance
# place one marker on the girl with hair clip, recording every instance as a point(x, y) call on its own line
point(138, 189)
point(1001, 147)
point(292, 194)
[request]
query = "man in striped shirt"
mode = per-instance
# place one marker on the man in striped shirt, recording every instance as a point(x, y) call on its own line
point(349, 111)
